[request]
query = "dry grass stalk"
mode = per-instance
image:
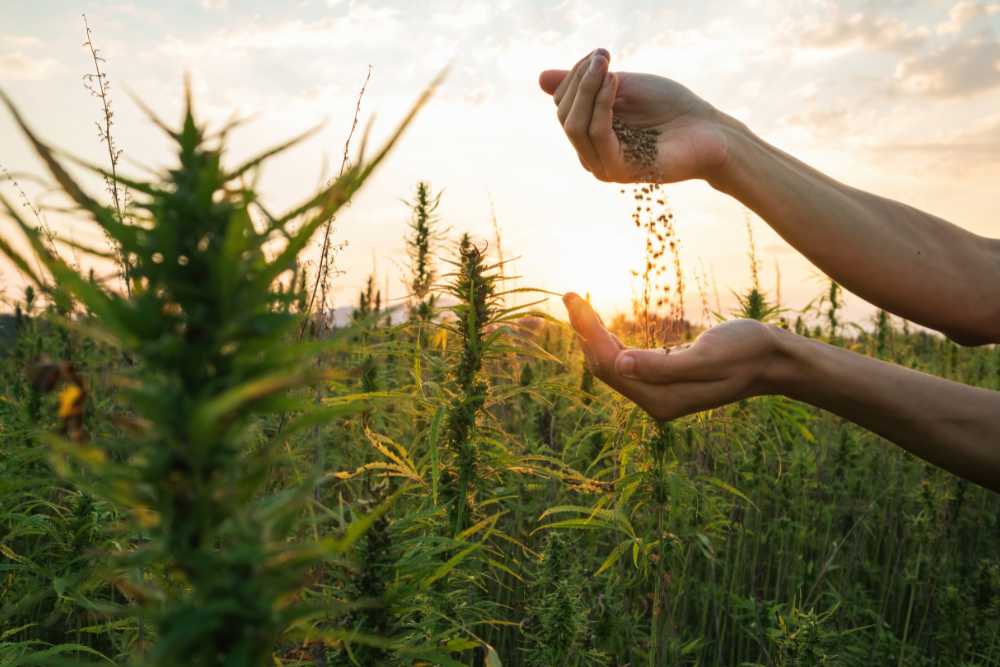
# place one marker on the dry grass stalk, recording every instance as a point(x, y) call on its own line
point(99, 86)
point(321, 284)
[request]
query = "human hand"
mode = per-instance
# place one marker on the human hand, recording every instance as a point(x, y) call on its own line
point(692, 136)
point(729, 362)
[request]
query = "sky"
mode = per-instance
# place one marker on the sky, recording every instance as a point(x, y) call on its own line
point(897, 97)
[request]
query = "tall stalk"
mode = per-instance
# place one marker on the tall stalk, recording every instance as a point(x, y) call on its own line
point(321, 285)
point(420, 246)
point(473, 285)
point(99, 86)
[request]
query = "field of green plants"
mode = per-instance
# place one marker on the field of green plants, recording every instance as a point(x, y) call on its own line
point(197, 468)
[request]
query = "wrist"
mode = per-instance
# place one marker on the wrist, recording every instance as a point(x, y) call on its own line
point(786, 365)
point(739, 143)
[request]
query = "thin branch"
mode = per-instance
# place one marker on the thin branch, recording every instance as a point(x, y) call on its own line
point(27, 203)
point(323, 268)
point(98, 85)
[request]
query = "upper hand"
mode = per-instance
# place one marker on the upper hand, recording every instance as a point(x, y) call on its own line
point(692, 139)
point(729, 362)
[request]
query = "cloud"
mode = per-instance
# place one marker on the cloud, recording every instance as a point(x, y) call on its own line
point(823, 121)
point(360, 26)
point(15, 66)
point(978, 147)
point(212, 5)
point(20, 41)
point(859, 29)
point(960, 57)
point(964, 13)
point(467, 17)
point(965, 67)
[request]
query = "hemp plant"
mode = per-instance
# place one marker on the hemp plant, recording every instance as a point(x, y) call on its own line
point(480, 323)
point(420, 244)
point(473, 285)
point(210, 331)
point(753, 305)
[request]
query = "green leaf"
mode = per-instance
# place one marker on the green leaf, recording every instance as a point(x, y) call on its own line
point(317, 417)
point(492, 659)
point(15, 257)
point(10, 632)
point(612, 519)
point(208, 417)
point(271, 152)
point(432, 440)
point(613, 557)
point(715, 481)
point(449, 565)
point(101, 213)
point(440, 659)
point(43, 657)
point(360, 526)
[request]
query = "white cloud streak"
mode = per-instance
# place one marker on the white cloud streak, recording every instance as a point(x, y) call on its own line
point(16, 66)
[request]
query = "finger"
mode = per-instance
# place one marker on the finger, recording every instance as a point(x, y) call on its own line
point(660, 366)
point(581, 111)
point(581, 316)
point(564, 101)
point(550, 79)
point(566, 92)
point(600, 346)
point(567, 80)
point(600, 132)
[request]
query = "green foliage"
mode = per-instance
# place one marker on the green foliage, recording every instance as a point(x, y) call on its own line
point(558, 631)
point(369, 303)
point(206, 333)
point(754, 306)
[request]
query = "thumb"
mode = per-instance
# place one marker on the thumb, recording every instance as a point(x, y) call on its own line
point(661, 366)
point(550, 79)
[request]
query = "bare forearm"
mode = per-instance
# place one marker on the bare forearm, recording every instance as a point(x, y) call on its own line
point(911, 263)
point(952, 425)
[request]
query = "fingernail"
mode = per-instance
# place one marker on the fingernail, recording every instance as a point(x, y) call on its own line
point(602, 52)
point(625, 365)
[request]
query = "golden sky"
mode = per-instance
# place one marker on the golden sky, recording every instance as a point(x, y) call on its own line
point(901, 98)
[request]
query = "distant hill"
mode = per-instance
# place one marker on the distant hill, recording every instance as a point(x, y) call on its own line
point(400, 312)
point(342, 315)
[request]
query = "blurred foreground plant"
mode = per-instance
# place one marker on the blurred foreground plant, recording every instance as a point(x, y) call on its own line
point(208, 326)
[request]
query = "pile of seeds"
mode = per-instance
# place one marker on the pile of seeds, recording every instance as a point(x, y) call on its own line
point(638, 145)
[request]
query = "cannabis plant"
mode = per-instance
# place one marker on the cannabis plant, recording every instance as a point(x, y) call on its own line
point(473, 285)
point(208, 330)
point(558, 631)
point(420, 245)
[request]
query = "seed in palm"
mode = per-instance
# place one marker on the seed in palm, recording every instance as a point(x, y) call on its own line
point(638, 144)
